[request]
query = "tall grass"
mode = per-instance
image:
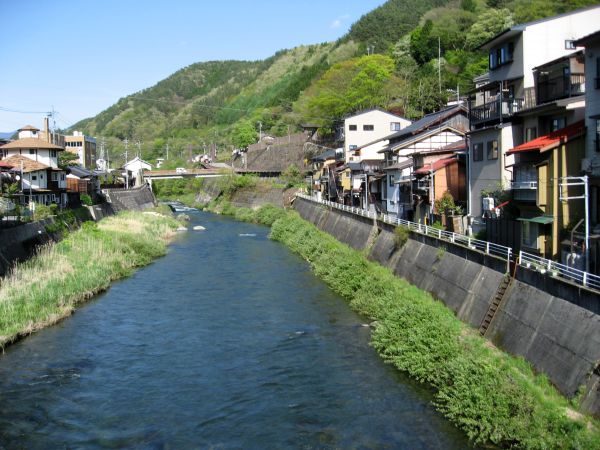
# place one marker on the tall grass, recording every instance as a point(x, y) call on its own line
point(47, 287)
point(494, 397)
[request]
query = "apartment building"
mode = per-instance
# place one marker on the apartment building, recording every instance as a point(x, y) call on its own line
point(85, 148)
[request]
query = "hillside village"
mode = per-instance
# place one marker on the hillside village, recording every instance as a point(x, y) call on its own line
point(515, 162)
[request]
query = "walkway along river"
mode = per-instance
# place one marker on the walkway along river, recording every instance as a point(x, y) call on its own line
point(227, 342)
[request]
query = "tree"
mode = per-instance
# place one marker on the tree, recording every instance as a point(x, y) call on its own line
point(489, 23)
point(244, 134)
point(67, 158)
point(423, 46)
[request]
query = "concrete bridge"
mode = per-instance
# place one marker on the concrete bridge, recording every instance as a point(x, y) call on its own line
point(178, 173)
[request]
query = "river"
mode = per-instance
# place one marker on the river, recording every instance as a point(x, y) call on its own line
point(227, 342)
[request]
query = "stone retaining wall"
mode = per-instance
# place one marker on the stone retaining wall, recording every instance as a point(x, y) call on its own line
point(556, 335)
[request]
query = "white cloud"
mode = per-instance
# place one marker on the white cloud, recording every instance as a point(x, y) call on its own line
point(339, 20)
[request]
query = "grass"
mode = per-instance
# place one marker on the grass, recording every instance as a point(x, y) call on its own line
point(46, 288)
point(492, 396)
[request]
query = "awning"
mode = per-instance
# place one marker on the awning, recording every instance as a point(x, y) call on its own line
point(551, 140)
point(544, 220)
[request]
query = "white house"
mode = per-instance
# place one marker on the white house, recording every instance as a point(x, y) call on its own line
point(369, 127)
point(497, 109)
point(134, 170)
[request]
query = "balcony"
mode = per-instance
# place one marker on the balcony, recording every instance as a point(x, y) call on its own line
point(524, 191)
point(550, 89)
point(496, 110)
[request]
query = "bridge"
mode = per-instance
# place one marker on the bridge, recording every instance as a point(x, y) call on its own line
point(151, 175)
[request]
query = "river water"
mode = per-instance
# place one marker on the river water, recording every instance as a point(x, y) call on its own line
point(227, 342)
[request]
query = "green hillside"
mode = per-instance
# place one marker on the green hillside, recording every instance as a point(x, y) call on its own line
point(223, 103)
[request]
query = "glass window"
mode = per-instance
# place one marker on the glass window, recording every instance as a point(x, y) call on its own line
point(392, 179)
point(558, 123)
point(54, 176)
point(569, 44)
point(395, 126)
point(352, 147)
point(33, 177)
point(530, 134)
point(478, 151)
point(597, 135)
point(62, 177)
point(31, 151)
point(352, 127)
point(492, 149)
point(368, 127)
point(53, 153)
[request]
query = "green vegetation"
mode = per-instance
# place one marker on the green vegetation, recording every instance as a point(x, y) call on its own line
point(388, 59)
point(401, 234)
point(46, 288)
point(490, 395)
point(85, 199)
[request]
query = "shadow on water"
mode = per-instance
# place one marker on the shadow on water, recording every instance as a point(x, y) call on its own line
point(227, 342)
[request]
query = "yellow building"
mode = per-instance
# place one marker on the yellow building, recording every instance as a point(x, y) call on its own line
point(539, 166)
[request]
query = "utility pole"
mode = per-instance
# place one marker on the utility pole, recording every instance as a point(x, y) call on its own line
point(167, 150)
point(124, 165)
point(259, 131)
point(440, 64)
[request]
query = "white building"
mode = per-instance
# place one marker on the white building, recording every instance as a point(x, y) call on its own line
point(369, 127)
point(134, 170)
point(497, 111)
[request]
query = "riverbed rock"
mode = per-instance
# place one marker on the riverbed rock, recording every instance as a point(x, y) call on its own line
point(182, 229)
point(199, 228)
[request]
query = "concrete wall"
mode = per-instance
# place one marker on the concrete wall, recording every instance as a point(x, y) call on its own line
point(557, 336)
point(130, 199)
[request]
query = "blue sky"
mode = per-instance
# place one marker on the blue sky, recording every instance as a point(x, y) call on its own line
point(80, 57)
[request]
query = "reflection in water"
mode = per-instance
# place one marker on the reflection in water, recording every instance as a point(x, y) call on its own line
point(227, 342)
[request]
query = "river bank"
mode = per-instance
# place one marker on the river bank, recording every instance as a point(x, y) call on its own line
point(489, 394)
point(48, 287)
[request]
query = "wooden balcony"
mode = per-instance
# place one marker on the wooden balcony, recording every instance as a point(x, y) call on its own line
point(496, 110)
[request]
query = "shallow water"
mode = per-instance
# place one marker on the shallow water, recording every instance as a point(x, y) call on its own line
point(227, 342)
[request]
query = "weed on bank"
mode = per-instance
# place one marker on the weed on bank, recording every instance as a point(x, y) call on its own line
point(46, 288)
point(493, 397)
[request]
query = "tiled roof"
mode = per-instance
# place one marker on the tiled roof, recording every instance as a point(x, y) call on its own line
point(31, 143)
point(428, 121)
point(551, 140)
point(29, 128)
point(437, 165)
point(29, 165)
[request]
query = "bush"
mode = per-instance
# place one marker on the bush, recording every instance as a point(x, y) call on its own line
point(85, 199)
point(41, 211)
point(401, 234)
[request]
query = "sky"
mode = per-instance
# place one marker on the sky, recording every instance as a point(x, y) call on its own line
point(79, 57)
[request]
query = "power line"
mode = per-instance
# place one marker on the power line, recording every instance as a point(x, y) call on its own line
point(23, 112)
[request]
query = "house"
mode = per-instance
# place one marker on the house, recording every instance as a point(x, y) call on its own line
point(364, 133)
point(429, 135)
point(82, 181)
point(497, 108)
point(134, 170)
point(324, 178)
point(539, 165)
point(590, 165)
point(84, 147)
point(42, 180)
point(437, 173)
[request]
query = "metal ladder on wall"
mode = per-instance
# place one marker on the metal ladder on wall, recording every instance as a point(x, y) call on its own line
point(498, 297)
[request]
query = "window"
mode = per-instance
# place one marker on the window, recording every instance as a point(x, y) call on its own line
point(53, 153)
point(598, 135)
point(33, 177)
point(492, 149)
point(558, 123)
point(54, 176)
point(368, 127)
point(31, 151)
point(62, 177)
point(41, 176)
point(501, 55)
point(352, 147)
point(478, 151)
point(530, 134)
point(529, 234)
point(395, 126)
point(352, 127)
point(569, 44)
point(392, 179)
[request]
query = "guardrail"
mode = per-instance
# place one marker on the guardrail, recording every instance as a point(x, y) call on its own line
point(556, 269)
point(542, 265)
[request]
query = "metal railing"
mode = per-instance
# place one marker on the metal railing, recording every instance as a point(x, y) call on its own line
point(524, 185)
point(527, 260)
point(556, 269)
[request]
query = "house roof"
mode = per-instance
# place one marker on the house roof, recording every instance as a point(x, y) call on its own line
point(586, 40)
point(428, 121)
point(437, 165)
point(80, 172)
point(28, 128)
point(6, 165)
point(364, 111)
point(455, 147)
point(29, 165)
point(31, 143)
point(551, 140)
point(136, 159)
point(517, 29)
point(400, 165)
point(408, 140)
point(328, 154)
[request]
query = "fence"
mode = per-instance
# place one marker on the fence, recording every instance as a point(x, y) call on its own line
point(544, 266)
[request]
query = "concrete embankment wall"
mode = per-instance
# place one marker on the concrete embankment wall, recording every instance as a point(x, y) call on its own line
point(130, 199)
point(20, 243)
point(246, 198)
point(556, 335)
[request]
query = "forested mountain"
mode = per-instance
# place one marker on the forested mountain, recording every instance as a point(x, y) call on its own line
point(389, 58)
